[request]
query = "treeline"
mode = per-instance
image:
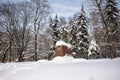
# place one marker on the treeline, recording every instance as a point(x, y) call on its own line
point(26, 35)
point(105, 23)
point(22, 23)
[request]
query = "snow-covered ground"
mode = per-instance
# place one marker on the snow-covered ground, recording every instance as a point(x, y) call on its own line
point(62, 68)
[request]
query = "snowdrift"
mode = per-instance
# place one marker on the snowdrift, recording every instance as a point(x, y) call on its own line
point(62, 68)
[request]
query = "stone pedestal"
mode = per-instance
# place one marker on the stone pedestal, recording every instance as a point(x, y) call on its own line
point(62, 51)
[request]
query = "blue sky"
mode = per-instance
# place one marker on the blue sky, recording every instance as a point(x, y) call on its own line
point(67, 8)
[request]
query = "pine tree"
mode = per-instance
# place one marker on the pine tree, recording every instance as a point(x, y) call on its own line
point(73, 37)
point(82, 35)
point(111, 17)
point(55, 30)
point(93, 49)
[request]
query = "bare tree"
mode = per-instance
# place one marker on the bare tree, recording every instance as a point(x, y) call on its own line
point(40, 11)
point(22, 33)
point(7, 13)
point(106, 25)
point(15, 19)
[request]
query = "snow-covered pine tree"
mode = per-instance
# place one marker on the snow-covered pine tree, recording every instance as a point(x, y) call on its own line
point(55, 30)
point(111, 17)
point(73, 37)
point(82, 35)
point(93, 49)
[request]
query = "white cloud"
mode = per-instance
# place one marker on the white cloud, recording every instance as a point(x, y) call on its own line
point(67, 8)
point(64, 10)
point(62, 14)
point(15, 1)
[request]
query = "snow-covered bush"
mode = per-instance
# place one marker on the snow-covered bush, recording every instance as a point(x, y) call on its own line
point(93, 49)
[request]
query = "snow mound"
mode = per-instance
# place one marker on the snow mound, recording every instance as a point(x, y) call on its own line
point(79, 60)
point(62, 59)
point(7, 70)
point(62, 43)
point(42, 61)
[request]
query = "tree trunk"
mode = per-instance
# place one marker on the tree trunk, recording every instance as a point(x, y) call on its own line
point(36, 47)
point(5, 53)
point(20, 54)
point(10, 52)
point(112, 52)
point(102, 16)
point(35, 29)
point(20, 58)
point(112, 48)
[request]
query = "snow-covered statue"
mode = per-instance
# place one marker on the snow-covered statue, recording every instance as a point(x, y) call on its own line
point(64, 34)
point(62, 48)
point(93, 49)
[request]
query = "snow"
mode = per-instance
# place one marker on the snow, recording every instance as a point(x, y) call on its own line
point(93, 45)
point(64, 59)
point(73, 53)
point(62, 43)
point(62, 68)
